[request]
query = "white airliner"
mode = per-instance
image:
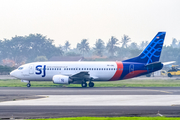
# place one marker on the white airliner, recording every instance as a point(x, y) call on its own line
point(81, 72)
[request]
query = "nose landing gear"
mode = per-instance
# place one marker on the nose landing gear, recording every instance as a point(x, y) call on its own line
point(27, 81)
point(29, 85)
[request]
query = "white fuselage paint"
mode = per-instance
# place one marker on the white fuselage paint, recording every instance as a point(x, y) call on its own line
point(32, 73)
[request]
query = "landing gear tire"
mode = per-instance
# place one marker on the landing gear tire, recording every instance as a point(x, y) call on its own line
point(169, 75)
point(84, 84)
point(91, 84)
point(28, 85)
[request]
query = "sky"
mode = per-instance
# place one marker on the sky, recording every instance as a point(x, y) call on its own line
point(74, 20)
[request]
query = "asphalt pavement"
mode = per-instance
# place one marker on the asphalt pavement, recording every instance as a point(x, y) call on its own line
point(72, 102)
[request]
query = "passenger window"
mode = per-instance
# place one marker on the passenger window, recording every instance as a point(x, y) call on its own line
point(69, 68)
point(89, 68)
point(94, 68)
point(49, 68)
point(84, 68)
point(97, 68)
point(79, 68)
point(54, 68)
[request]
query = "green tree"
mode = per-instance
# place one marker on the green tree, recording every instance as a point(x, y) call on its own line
point(174, 43)
point(143, 44)
point(5, 69)
point(133, 46)
point(67, 46)
point(83, 46)
point(27, 48)
point(39, 45)
point(112, 45)
point(41, 58)
point(72, 54)
point(99, 47)
point(125, 39)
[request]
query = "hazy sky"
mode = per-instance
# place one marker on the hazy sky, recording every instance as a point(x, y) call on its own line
point(74, 20)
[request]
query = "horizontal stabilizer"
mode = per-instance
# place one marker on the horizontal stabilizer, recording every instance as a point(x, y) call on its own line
point(167, 63)
point(154, 65)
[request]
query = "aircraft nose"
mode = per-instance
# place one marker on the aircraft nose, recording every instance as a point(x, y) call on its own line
point(13, 73)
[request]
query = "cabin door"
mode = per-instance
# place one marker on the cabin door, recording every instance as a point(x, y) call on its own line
point(31, 69)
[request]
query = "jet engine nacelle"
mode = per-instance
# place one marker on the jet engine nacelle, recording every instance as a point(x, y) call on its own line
point(61, 79)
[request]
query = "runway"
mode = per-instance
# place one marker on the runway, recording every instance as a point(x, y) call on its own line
point(72, 102)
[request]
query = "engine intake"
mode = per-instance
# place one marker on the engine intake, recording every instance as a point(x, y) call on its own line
point(61, 79)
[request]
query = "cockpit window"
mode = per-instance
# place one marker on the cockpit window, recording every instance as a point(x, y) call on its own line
point(20, 68)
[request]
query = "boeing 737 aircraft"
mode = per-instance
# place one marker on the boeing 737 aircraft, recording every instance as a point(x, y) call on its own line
point(81, 72)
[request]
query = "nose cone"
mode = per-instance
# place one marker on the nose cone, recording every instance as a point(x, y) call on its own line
point(13, 73)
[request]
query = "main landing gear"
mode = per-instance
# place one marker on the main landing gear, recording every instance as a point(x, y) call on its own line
point(84, 84)
point(91, 84)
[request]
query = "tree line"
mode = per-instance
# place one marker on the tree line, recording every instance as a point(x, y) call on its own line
point(36, 47)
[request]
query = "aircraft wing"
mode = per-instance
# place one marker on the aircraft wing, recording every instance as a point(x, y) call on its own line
point(79, 77)
point(82, 74)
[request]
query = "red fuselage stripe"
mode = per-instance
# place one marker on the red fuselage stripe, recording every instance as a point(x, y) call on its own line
point(134, 74)
point(118, 73)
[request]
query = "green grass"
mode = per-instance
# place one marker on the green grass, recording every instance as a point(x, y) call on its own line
point(123, 83)
point(112, 118)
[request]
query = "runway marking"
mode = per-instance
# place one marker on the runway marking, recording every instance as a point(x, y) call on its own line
point(177, 105)
point(157, 91)
point(165, 91)
point(100, 100)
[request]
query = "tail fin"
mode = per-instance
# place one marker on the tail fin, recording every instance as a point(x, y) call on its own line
point(152, 52)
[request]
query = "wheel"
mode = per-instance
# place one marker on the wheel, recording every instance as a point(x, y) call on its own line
point(84, 84)
point(28, 85)
point(169, 75)
point(91, 84)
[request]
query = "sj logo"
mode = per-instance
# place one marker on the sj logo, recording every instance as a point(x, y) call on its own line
point(41, 69)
